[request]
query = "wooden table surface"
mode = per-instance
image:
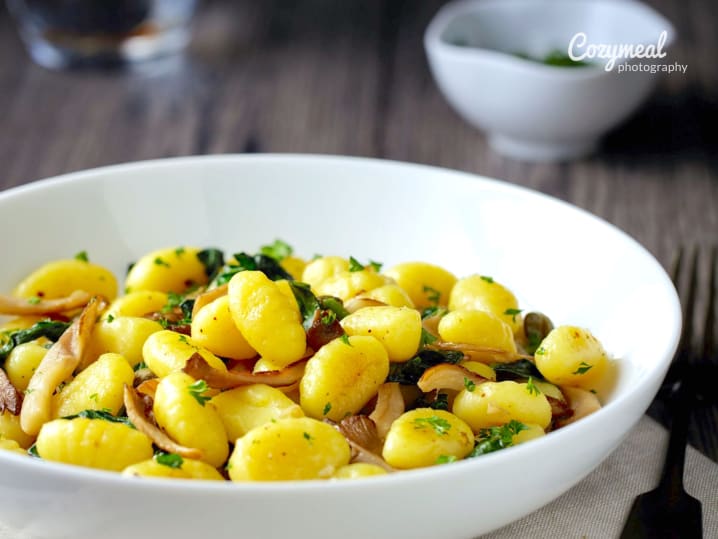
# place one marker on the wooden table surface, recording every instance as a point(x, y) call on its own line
point(351, 77)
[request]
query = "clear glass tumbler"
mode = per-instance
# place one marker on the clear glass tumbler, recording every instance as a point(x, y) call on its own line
point(87, 33)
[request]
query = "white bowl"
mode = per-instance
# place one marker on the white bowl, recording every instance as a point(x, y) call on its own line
point(533, 111)
point(557, 258)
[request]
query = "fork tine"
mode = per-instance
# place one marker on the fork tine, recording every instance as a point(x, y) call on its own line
point(708, 335)
point(689, 302)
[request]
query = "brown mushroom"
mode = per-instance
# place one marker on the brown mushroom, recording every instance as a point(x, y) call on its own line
point(135, 412)
point(582, 403)
point(40, 307)
point(389, 406)
point(208, 297)
point(198, 368)
point(448, 376)
point(360, 433)
point(10, 397)
point(59, 363)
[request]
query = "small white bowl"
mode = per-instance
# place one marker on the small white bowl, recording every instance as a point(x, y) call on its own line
point(581, 271)
point(532, 111)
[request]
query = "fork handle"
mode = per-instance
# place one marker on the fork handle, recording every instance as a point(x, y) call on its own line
point(671, 480)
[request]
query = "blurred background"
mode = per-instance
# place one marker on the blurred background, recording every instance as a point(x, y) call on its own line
point(352, 77)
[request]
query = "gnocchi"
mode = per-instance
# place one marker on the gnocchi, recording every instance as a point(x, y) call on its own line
point(270, 367)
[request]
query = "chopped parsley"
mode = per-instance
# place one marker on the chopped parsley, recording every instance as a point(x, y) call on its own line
point(327, 408)
point(540, 351)
point(531, 387)
point(445, 459)
point(197, 391)
point(434, 310)
point(159, 261)
point(513, 313)
point(308, 437)
point(496, 438)
point(141, 365)
point(583, 368)
point(34, 300)
point(426, 338)
point(470, 385)
point(488, 279)
point(345, 339)
point(355, 265)
point(104, 414)
point(432, 294)
point(179, 251)
point(94, 397)
point(279, 250)
point(82, 256)
point(440, 425)
point(110, 318)
point(171, 460)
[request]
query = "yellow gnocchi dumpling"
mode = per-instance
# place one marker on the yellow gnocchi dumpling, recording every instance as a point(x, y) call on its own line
point(61, 278)
point(397, 328)
point(424, 436)
point(181, 409)
point(214, 329)
point(173, 467)
point(267, 318)
point(173, 269)
point(572, 356)
point(480, 328)
point(496, 403)
point(426, 284)
point(483, 293)
point(125, 335)
point(22, 362)
point(167, 351)
point(99, 387)
point(247, 407)
point(95, 443)
point(342, 376)
point(289, 449)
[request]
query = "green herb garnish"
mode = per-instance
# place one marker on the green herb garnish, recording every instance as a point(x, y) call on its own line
point(212, 259)
point(531, 387)
point(488, 279)
point(439, 424)
point(513, 313)
point(197, 391)
point(327, 408)
point(279, 250)
point(82, 256)
point(583, 368)
point(171, 460)
point(159, 261)
point(469, 385)
point(496, 438)
point(445, 459)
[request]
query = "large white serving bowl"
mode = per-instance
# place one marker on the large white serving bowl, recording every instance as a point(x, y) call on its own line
point(532, 111)
point(557, 258)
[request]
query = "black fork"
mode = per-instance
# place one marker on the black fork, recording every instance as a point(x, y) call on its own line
point(668, 511)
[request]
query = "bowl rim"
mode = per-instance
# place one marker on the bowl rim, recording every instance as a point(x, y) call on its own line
point(113, 173)
point(434, 43)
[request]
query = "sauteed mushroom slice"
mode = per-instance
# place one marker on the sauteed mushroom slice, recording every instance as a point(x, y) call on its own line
point(448, 376)
point(581, 402)
point(361, 435)
point(389, 405)
point(199, 369)
point(37, 306)
point(10, 398)
point(135, 412)
point(57, 366)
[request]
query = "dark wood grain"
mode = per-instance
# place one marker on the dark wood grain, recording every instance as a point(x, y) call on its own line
point(351, 78)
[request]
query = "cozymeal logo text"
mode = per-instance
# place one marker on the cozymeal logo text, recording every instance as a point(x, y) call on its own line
point(580, 49)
